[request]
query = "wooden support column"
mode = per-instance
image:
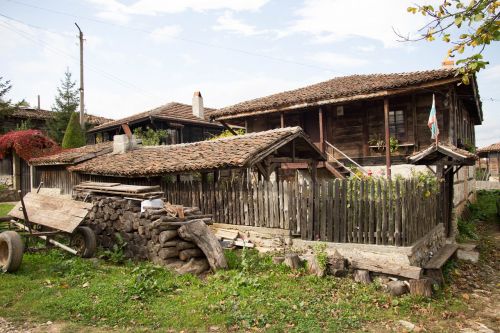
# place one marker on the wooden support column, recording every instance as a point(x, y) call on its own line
point(16, 171)
point(314, 228)
point(451, 117)
point(387, 138)
point(32, 178)
point(282, 119)
point(321, 131)
point(415, 121)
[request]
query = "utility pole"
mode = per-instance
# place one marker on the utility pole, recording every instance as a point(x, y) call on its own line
point(82, 104)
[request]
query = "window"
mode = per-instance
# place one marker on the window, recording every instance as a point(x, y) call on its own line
point(397, 126)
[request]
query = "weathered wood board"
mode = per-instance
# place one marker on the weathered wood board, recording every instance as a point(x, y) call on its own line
point(58, 213)
point(438, 260)
point(117, 187)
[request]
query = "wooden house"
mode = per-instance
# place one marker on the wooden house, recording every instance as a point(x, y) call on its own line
point(489, 162)
point(350, 118)
point(183, 123)
point(37, 118)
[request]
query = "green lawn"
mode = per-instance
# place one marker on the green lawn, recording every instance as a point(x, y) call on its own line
point(5, 208)
point(252, 295)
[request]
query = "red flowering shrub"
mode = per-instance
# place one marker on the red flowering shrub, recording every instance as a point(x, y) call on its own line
point(27, 144)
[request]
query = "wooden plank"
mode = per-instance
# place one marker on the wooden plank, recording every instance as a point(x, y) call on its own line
point(442, 256)
point(411, 272)
point(323, 197)
point(61, 214)
point(286, 204)
point(371, 213)
point(361, 212)
point(397, 222)
point(384, 213)
point(390, 215)
point(330, 211)
point(312, 214)
point(343, 217)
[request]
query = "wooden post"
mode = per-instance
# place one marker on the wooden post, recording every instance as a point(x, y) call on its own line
point(16, 171)
point(321, 133)
point(315, 205)
point(387, 138)
point(415, 121)
point(32, 178)
point(282, 119)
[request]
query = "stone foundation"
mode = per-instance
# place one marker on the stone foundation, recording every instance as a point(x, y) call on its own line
point(9, 196)
point(270, 239)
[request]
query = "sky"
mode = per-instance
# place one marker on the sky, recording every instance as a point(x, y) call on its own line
point(140, 54)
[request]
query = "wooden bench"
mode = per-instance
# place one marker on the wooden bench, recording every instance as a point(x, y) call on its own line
point(433, 268)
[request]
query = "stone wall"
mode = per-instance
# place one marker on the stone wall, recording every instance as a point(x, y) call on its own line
point(425, 248)
point(6, 180)
point(8, 195)
point(150, 235)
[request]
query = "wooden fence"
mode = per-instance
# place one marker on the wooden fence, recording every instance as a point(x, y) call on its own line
point(348, 211)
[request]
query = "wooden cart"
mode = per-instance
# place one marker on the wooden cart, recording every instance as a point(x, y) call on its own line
point(45, 217)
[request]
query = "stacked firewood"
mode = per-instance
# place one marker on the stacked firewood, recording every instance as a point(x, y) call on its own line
point(173, 236)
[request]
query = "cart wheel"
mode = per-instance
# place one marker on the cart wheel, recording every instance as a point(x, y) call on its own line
point(11, 251)
point(83, 240)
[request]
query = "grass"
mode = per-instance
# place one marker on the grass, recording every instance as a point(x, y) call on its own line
point(484, 209)
point(254, 293)
point(5, 208)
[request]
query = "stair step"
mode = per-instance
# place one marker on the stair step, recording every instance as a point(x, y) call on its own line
point(442, 256)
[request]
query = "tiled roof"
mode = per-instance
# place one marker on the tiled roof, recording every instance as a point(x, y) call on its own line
point(340, 88)
point(231, 152)
point(434, 153)
point(74, 155)
point(32, 113)
point(174, 111)
point(489, 149)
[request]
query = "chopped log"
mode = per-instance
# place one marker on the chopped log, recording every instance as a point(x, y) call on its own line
point(436, 275)
point(396, 288)
point(422, 287)
point(293, 261)
point(362, 276)
point(168, 252)
point(227, 234)
point(197, 232)
point(171, 243)
point(198, 216)
point(194, 266)
point(190, 253)
point(173, 263)
point(167, 235)
point(278, 260)
point(183, 245)
point(313, 267)
point(411, 272)
point(243, 243)
point(337, 265)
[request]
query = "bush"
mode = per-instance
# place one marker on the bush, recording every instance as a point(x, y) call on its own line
point(74, 136)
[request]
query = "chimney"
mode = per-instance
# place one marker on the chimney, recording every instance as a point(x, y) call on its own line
point(38, 102)
point(447, 64)
point(198, 110)
point(122, 143)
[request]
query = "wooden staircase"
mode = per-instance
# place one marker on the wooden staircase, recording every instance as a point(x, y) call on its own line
point(337, 168)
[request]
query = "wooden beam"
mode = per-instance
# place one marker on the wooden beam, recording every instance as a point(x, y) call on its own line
point(415, 121)
point(228, 127)
point(282, 119)
point(321, 131)
point(262, 171)
point(387, 138)
point(289, 160)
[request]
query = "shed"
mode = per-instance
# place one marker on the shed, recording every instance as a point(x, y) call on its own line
point(491, 156)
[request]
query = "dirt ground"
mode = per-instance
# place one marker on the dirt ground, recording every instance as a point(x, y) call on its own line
point(478, 285)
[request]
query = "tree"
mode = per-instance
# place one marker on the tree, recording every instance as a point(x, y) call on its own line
point(6, 107)
point(74, 136)
point(66, 102)
point(468, 27)
point(151, 137)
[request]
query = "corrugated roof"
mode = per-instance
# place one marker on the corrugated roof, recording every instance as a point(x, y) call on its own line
point(74, 155)
point(231, 152)
point(175, 111)
point(346, 87)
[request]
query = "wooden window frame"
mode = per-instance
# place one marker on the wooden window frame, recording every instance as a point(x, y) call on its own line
point(404, 108)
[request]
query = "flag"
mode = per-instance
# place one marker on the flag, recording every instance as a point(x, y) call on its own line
point(433, 123)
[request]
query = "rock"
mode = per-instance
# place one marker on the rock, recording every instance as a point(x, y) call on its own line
point(396, 288)
point(467, 246)
point(472, 256)
point(406, 324)
point(337, 265)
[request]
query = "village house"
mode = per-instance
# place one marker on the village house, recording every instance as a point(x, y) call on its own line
point(37, 118)
point(350, 117)
point(183, 123)
point(489, 162)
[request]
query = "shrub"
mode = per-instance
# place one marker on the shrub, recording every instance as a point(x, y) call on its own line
point(74, 136)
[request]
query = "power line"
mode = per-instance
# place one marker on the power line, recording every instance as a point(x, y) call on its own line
point(58, 51)
point(186, 40)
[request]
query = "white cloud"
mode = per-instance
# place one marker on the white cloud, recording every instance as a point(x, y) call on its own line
point(118, 12)
point(490, 73)
point(334, 20)
point(335, 60)
point(228, 23)
point(165, 33)
point(365, 48)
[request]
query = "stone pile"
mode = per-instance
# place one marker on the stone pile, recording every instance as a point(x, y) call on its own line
point(150, 235)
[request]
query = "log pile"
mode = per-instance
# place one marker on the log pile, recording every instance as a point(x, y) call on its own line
point(174, 237)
